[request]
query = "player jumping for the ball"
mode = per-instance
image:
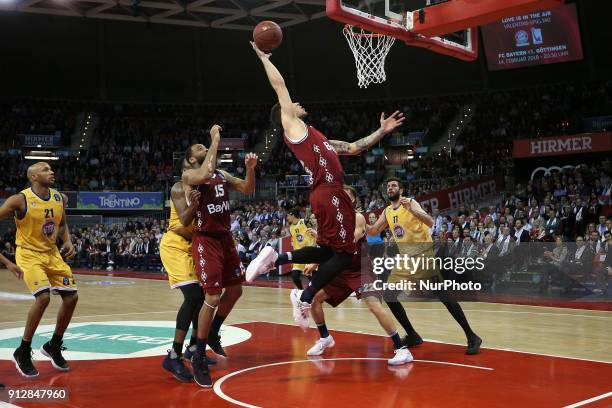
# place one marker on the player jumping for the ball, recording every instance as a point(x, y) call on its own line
point(331, 205)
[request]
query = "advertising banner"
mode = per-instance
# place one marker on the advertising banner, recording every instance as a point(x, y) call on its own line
point(120, 200)
point(543, 37)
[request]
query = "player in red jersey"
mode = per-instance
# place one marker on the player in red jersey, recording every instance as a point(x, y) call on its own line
point(356, 280)
point(213, 249)
point(330, 204)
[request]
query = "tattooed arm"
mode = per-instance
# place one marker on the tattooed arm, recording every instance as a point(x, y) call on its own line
point(387, 125)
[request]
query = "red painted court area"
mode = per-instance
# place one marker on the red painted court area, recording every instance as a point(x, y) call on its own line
point(271, 370)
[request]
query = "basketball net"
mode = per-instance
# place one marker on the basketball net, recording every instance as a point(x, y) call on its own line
point(370, 50)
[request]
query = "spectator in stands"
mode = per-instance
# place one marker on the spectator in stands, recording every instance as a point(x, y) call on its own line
point(552, 225)
point(601, 227)
point(107, 254)
point(241, 250)
point(579, 263)
point(150, 252)
point(555, 262)
point(9, 251)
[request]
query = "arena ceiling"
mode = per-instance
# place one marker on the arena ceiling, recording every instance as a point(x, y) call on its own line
point(228, 14)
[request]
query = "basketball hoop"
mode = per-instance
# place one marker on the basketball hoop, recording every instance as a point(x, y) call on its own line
point(370, 50)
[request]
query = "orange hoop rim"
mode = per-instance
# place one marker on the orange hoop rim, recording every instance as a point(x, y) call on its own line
point(349, 28)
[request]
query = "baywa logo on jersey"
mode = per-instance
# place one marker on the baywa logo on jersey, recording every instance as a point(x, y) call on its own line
point(48, 228)
point(398, 231)
point(57, 197)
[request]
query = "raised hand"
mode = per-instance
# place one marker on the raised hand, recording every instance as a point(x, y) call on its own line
point(215, 132)
point(406, 202)
point(250, 160)
point(392, 122)
point(259, 52)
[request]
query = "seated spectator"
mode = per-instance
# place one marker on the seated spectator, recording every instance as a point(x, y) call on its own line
point(9, 251)
point(580, 263)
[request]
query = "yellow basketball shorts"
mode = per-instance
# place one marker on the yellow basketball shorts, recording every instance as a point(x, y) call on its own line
point(298, 267)
point(425, 270)
point(44, 270)
point(175, 254)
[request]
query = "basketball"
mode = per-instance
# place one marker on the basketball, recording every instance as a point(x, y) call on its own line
point(267, 35)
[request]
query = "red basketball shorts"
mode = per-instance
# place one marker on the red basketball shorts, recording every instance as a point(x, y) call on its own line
point(217, 262)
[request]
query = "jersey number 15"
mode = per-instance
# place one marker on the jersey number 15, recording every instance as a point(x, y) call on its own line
point(219, 190)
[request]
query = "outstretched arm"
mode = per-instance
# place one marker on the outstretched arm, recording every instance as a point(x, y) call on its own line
point(387, 125)
point(379, 226)
point(293, 126)
point(246, 186)
point(194, 177)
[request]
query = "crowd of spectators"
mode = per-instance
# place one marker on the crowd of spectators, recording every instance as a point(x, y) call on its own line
point(133, 149)
point(553, 224)
point(133, 145)
point(38, 118)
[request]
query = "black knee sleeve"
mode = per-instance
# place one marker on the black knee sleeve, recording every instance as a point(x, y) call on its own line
point(192, 302)
point(331, 268)
point(296, 276)
point(308, 255)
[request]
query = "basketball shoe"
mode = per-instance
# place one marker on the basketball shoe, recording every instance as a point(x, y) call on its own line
point(262, 263)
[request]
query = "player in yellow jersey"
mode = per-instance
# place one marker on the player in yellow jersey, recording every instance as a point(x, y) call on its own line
point(40, 217)
point(410, 224)
point(300, 238)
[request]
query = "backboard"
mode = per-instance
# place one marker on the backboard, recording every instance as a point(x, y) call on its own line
point(447, 27)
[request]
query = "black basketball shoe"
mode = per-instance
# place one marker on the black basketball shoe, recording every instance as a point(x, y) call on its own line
point(189, 352)
point(201, 375)
point(176, 367)
point(214, 342)
point(412, 340)
point(23, 361)
point(474, 343)
point(54, 352)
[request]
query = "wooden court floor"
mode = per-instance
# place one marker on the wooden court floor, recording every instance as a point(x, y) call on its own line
point(532, 356)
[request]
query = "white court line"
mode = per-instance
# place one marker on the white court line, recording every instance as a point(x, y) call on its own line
point(217, 386)
point(15, 296)
point(7, 405)
point(343, 308)
point(100, 315)
point(460, 344)
point(588, 401)
point(468, 301)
